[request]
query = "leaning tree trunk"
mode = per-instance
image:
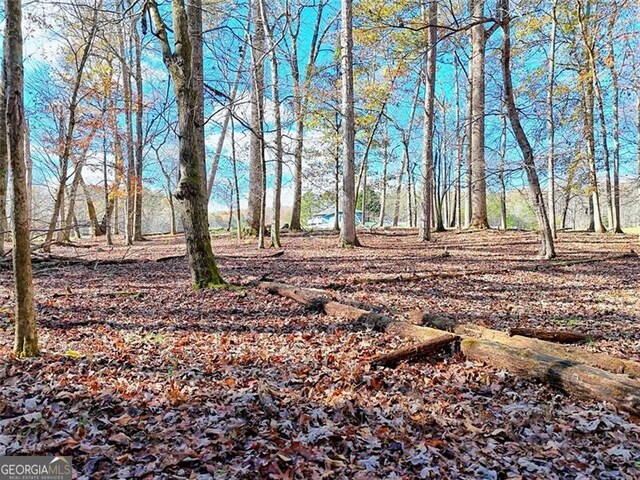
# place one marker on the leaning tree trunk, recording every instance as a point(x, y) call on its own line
point(191, 188)
point(225, 126)
point(348, 232)
point(26, 337)
point(548, 250)
point(429, 122)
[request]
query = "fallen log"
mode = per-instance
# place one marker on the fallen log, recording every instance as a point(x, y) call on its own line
point(574, 354)
point(576, 378)
point(557, 336)
point(531, 360)
point(414, 352)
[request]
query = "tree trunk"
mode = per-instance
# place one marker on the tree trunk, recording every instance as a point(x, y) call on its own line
point(26, 336)
point(336, 159)
point(385, 164)
point(348, 236)
point(587, 81)
point(479, 184)
point(279, 153)
point(501, 180)
point(4, 163)
point(459, 145)
point(429, 121)
point(469, 157)
point(225, 125)
point(91, 209)
point(28, 163)
point(191, 188)
point(106, 221)
point(547, 246)
point(125, 44)
point(236, 184)
point(617, 226)
point(551, 182)
point(139, 167)
point(68, 138)
point(256, 143)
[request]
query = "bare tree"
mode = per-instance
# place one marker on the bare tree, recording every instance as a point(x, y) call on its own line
point(278, 150)
point(256, 142)
point(82, 56)
point(191, 188)
point(429, 121)
point(551, 175)
point(348, 236)
point(547, 245)
point(26, 336)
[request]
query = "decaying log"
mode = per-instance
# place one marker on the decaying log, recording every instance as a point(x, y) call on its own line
point(526, 357)
point(584, 381)
point(574, 354)
point(414, 352)
point(556, 336)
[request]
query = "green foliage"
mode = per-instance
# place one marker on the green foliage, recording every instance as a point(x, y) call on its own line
point(373, 201)
point(519, 211)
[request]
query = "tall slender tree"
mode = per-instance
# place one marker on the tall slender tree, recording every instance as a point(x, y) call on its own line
point(429, 120)
point(26, 336)
point(348, 236)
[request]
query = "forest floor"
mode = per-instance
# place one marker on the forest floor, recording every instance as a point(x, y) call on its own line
point(142, 377)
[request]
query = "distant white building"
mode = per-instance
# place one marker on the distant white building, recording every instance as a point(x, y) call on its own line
point(325, 219)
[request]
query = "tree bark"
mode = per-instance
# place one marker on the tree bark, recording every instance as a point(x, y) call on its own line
point(478, 174)
point(385, 164)
point(414, 352)
point(191, 188)
point(278, 153)
point(4, 163)
point(501, 179)
point(557, 336)
point(26, 336)
point(587, 82)
point(547, 244)
point(256, 143)
point(429, 121)
point(139, 167)
point(551, 182)
point(348, 236)
point(617, 226)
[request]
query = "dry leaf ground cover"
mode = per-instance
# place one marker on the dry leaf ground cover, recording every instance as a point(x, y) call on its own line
point(144, 378)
